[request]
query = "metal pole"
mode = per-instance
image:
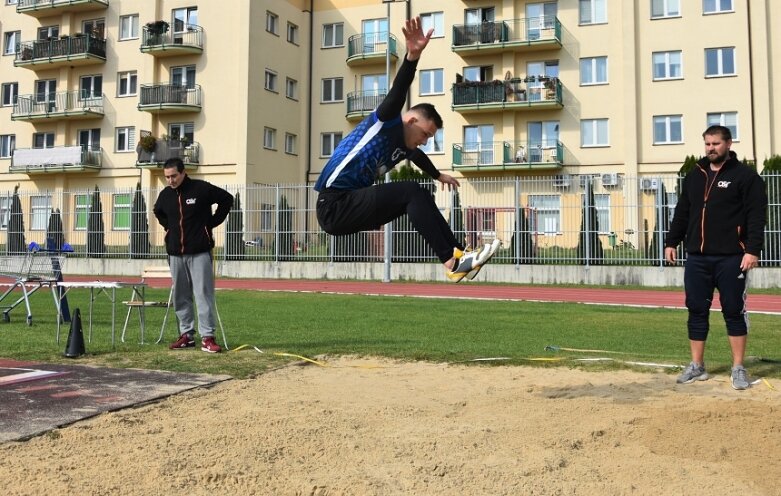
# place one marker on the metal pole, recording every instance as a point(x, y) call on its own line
point(386, 277)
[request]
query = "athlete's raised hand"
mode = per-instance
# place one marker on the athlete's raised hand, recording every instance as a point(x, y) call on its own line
point(416, 40)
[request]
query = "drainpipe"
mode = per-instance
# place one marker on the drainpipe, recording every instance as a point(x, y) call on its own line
point(751, 86)
point(309, 113)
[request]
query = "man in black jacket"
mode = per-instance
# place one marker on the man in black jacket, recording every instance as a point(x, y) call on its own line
point(721, 216)
point(184, 209)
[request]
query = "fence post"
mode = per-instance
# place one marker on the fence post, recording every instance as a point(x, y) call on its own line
point(277, 222)
point(660, 212)
point(587, 223)
point(386, 276)
point(518, 212)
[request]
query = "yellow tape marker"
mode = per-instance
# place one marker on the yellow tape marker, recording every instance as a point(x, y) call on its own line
point(321, 364)
point(767, 383)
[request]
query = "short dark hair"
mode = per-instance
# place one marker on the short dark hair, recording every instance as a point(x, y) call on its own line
point(725, 133)
point(174, 162)
point(428, 111)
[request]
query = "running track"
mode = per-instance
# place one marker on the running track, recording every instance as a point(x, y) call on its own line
point(629, 297)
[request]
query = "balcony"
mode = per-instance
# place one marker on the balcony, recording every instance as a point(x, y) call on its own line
point(65, 105)
point(518, 35)
point(503, 155)
point(530, 93)
point(66, 51)
point(56, 159)
point(46, 8)
point(169, 148)
point(169, 98)
point(369, 48)
point(362, 103)
point(158, 41)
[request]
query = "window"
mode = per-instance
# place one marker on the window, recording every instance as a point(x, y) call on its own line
point(479, 73)
point(602, 205)
point(43, 140)
point(332, 90)
point(544, 214)
point(269, 138)
point(267, 214)
point(667, 65)
point(719, 62)
point(333, 35)
point(272, 23)
point(95, 27)
point(48, 32)
point(125, 140)
point(593, 11)
point(39, 212)
point(181, 133)
point(291, 89)
point(435, 20)
point(292, 33)
point(270, 82)
point(11, 2)
point(478, 145)
point(328, 143)
point(10, 94)
point(5, 211)
point(594, 132)
point(665, 8)
point(120, 216)
point(668, 129)
point(593, 70)
point(128, 83)
point(46, 93)
point(10, 40)
point(183, 76)
point(290, 143)
point(183, 21)
point(726, 119)
point(716, 6)
point(89, 139)
point(91, 87)
point(432, 82)
point(128, 27)
point(81, 211)
point(435, 144)
point(7, 145)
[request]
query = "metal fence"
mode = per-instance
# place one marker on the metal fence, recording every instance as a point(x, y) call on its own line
point(597, 219)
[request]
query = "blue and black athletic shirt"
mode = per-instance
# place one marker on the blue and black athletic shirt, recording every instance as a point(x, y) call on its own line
point(376, 145)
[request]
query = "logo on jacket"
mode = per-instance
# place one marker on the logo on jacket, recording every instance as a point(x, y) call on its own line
point(723, 184)
point(397, 154)
point(190, 201)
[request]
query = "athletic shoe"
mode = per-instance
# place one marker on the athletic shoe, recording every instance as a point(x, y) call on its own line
point(693, 372)
point(471, 261)
point(186, 340)
point(740, 378)
point(209, 345)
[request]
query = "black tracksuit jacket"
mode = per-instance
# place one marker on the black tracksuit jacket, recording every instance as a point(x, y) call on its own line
point(726, 217)
point(186, 215)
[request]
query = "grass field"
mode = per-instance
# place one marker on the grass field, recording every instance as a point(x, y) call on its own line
point(439, 330)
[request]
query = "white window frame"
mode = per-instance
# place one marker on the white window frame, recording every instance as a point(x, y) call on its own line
point(9, 94)
point(126, 209)
point(329, 142)
point(434, 20)
point(81, 206)
point(179, 130)
point(602, 206)
point(291, 88)
point(269, 138)
point(595, 14)
point(5, 210)
point(128, 27)
point(432, 82)
point(591, 65)
point(290, 144)
point(7, 145)
point(272, 23)
point(131, 79)
point(720, 51)
point(292, 33)
point(549, 212)
point(40, 207)
point(599, 129)
point(333, 35)
point(667, 59)
point(10, 40)
point(125, 139)
point(435, 144)
point(665, 8)
point(334, 83)
point(270, 80)
point(717, 7)
point(668, 121)
point(726, 119)
point(47, 139)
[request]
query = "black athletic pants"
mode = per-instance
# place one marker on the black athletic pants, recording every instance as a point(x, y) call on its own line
point(703, 274)
point(346, 212)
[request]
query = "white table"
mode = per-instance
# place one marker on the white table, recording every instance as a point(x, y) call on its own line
point(108, 288)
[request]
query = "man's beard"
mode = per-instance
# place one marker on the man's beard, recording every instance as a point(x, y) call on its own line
point(718, 159)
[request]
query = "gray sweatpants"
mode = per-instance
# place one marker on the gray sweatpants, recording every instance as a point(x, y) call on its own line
point(193, 278)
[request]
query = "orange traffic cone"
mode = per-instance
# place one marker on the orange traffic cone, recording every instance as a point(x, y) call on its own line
point(74, 348)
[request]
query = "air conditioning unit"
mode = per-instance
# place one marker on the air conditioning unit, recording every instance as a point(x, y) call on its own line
point(561, 181)
point(649, 184)
point(610, 179)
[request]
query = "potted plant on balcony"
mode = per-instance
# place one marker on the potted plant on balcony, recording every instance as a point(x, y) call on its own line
point(146, 148)
point(156, 30)
point(550, 87)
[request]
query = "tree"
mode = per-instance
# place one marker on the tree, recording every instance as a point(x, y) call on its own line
point(234, 235)
point(407, 243)
point(589, 230)
point(662, 211)
point(688, 164)
point(139, 226)
point(285, 250)
point(15, 229)
point(523, 236)
point(55, 237)
point(96, 236)
point(771, 173)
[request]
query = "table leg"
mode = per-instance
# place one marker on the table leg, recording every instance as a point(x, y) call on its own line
point(91, 300)
point(143, 314)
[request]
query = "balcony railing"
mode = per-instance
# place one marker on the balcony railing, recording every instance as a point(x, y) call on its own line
point(370, 47)
point(504, 155)
point(62, 105)
point(533, 91)
point(67, 50)
point(361, 103)
point(517, 34)
point(56, 159)
point(169, 98)
point(40, 8)
point(170, 148)
point(156, 39)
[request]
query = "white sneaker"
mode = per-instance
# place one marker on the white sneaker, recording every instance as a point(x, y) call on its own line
point(470, 263)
